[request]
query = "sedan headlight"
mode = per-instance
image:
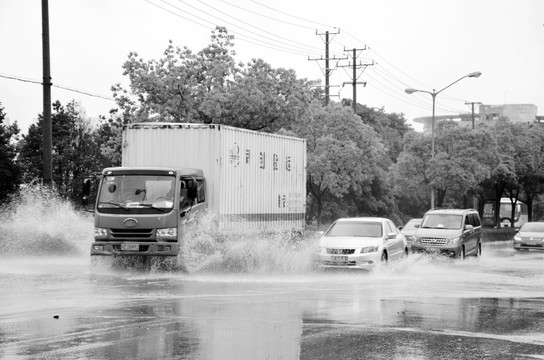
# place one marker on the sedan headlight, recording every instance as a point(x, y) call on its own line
point(100, 233)
point(369, 249)
point(517, 237)
point(453, 241)
point(167, 234)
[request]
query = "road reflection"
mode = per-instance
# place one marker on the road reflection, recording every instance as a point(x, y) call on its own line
point(421, 308)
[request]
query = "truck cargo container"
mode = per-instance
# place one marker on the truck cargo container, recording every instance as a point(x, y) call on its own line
point(172, 173)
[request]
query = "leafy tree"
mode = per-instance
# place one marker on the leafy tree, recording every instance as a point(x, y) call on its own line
point(259, 98)
point(458, 164)
point(409, 177)
point(108, 139)
point(463, 159)
point(10, 172)
point(391, 127)
point(526, 147)
point(74, 153)
point(209, 87)
point(343, 158)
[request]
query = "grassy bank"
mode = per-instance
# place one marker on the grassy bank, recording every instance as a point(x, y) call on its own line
point(502, 234)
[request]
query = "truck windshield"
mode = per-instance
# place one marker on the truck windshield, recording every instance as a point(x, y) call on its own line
point(142, 194)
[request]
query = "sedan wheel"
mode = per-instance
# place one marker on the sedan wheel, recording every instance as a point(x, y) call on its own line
point(384, 258)
point(479, 250)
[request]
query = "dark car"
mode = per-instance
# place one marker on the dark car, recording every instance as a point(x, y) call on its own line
point(410, 228)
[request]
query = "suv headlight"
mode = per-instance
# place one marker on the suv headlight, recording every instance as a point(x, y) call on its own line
point(100, 233)
point(369, 249)
point(167, 234)
point(453, 241)
point(415, 240)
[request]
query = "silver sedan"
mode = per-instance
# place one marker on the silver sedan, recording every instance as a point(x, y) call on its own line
point(361, 243)
point(530, 236)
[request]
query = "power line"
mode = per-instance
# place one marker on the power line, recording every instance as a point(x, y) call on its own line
point(293, 16)
point(239, 27)
point(258, 28)
point(241, 37)
point(11, 77)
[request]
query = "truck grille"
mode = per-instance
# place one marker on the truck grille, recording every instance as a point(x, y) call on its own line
point(433, 241)
point(132, 234)
point(341, 251)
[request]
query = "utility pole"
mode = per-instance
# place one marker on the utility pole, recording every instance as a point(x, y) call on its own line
point(47, 127)
point(472, 104)
point(354, 77)
point(328, 70)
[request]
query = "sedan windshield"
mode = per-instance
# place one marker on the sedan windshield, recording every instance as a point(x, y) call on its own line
point(359, 229)
point(533, 227)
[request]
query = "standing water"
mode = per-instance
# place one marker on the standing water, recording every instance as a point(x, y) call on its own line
point(41, 224)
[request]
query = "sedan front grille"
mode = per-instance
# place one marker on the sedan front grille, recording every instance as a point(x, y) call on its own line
point(340, 251)
point(524, 238)
point(433, 241)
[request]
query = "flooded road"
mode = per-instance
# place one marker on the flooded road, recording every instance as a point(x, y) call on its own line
point(256, 299)
point(59, 307)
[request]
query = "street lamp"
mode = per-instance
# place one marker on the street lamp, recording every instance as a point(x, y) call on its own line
point(433, 94)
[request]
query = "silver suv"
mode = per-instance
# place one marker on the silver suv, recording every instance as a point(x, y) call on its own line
point(453, 232)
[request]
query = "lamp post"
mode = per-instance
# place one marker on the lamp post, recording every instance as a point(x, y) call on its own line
point(433, 95)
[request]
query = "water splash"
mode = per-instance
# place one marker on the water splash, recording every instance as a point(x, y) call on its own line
point(206, 249)
point(39, 222)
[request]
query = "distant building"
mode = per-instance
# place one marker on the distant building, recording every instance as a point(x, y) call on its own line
point(489, 114)
point(515, 113)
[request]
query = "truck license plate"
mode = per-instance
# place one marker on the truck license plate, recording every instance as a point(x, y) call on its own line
point(339, 258)
point(130, 247)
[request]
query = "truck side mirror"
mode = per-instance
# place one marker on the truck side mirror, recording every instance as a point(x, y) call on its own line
point(86, 191)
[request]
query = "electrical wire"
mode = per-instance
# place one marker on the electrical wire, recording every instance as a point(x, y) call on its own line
point(255, 27)
point(241, 37)
point(11, 77)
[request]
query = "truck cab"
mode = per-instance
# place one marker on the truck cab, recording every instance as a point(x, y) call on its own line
point(144, 210)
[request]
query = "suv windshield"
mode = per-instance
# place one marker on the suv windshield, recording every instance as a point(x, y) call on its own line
point(359, 229)
point(142, 194)
point(442, 221)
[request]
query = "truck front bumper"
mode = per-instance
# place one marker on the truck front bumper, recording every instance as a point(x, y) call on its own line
point(122, 248)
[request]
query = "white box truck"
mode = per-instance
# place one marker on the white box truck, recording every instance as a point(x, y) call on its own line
point(174, 172)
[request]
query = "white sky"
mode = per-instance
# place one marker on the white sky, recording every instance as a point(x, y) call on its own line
point(423, 44)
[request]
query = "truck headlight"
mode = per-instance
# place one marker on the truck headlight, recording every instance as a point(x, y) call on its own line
point(100, 233)
point(369, 249)
point(167, 234)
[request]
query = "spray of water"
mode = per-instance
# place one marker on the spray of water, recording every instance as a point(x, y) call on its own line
point(207, 249)
point(38, 222)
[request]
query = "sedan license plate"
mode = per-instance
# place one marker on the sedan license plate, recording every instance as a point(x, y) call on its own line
point(339, 258)
point(130, 247)
point(432, 249)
